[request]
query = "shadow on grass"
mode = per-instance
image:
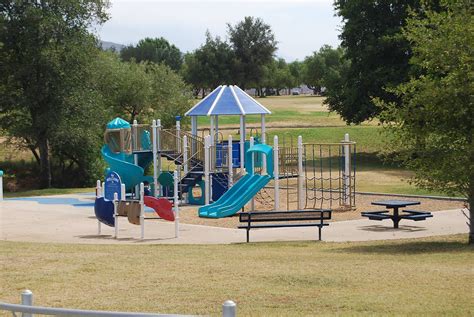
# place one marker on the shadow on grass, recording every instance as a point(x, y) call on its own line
point(412, 247)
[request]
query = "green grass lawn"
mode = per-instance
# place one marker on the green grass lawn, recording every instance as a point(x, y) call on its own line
point(49, 191)
point(431, 276)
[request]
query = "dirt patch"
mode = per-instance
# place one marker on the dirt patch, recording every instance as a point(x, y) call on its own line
point(188, 214)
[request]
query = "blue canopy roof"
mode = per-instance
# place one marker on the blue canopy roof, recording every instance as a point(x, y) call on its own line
point(118, 123)
point(227, 100)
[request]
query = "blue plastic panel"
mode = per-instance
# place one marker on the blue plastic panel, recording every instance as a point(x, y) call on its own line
point(248, 103)
point(202, 107)
point(227, 105)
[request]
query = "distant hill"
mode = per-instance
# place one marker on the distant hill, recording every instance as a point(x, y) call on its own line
point(111, 46)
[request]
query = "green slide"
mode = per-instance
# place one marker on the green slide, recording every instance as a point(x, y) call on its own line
point(236, 197)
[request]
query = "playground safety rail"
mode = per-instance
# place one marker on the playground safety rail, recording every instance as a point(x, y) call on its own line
point(229, 309)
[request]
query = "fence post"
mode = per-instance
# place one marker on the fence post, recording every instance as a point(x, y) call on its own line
point(276, 173)
point(230, 161)
point(207, 181)
point(300, 173)
point(1, 185)
point(229, 309)
point(27, 300)
point(176, 204)
point(347, 162)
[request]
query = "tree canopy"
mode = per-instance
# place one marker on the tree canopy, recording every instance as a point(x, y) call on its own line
point(157, 50)
point(46, 54)
point(432, 128)
point(254, 44)
point(377, 52)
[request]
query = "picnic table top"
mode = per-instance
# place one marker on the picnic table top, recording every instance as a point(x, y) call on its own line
point(395, 203)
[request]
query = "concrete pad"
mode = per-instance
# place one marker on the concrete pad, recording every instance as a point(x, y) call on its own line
point(29, 220)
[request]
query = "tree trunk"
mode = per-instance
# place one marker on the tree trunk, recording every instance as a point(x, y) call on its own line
point(471, 215)
point(45, 164)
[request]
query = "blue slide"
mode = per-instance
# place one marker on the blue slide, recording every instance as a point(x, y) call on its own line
point(236, 197)
point(130, 174)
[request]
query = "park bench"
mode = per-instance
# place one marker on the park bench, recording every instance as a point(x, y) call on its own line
point(280, 219)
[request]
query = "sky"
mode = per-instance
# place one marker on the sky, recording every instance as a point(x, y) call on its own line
point(300, 26)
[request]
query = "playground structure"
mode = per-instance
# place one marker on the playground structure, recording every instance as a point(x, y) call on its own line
point(111, 204)
point(288, 176)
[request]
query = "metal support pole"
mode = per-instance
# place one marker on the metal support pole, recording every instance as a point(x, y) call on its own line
point(252, 163)
point(135, 148)
point(207, 181)
point(347, 170)
point(300, 173)
point(116, 228)
point(230, 161)
point(185, 155)
point(229, 309)
point(178, 134)
point(123, 193)
point(158, 148)
point(176, 204)
point(211, 132)
point(276, 172)
point(194, 133)
point(142, 211)
point(263, 140)
point(216, 121)
point(98, 193)
point(155, 157)
point(242, 143)
point(27, 300)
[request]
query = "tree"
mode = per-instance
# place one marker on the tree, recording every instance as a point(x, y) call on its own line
point(377, 52)
point(254, 44)
point(432, 129)
point(157, 50)
point(46, 54)
point(317, 67)
point(210, 65)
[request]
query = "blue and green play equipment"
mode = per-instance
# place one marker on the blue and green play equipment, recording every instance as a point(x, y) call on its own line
point(121, 160)
point(245, 189)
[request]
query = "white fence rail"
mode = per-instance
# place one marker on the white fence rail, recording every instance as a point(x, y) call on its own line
point(27, 309)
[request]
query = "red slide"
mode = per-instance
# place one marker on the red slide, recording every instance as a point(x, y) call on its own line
point(162, 207)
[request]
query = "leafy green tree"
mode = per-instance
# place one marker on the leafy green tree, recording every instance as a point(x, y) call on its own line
point(277, 75)
point(432, 129)
point(46, 54)
point(127, 85)
point(157, 50)
point(316, 68)
point(254, 44)
point(377, 52)
point(171, 96)
point(192, 72)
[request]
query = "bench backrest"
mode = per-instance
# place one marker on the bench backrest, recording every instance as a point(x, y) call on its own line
point(295, 215)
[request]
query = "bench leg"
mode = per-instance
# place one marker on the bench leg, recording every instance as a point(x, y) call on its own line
point(248, 235)
point(319, 235)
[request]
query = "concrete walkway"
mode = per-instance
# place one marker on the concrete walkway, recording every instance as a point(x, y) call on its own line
point(70, 219)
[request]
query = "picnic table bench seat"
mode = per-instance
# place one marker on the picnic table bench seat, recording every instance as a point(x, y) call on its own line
point(376, 215)
point(416, 215)
point(281, 219)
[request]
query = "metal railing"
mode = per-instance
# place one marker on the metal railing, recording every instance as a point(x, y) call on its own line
point(229, 309)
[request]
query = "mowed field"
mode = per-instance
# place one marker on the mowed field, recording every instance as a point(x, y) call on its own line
point(430, 276)
point(309, 117)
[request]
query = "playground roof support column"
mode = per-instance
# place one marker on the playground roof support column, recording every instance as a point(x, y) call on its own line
point(217, 128)
point(263, 129)
point(242, 142)
point(194, 126)
point(211, 132)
